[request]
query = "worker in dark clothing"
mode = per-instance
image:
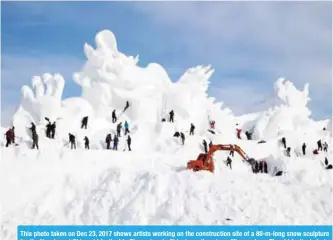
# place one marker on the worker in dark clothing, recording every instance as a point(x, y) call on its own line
point(304, 148)
point(192, 129)
point(72, 140)
point(48, 130)
point(182, 136)
point(283, 140)
point(205, 145)
point(35, 140)
point(119, 127)
point(129, 141)
point(325, 147)
point(115, 143)
point(86, 142)
point(176, 134)
point(288, 151)
point(126, 127)
point(114, 117)
point(229, 161)
point(320, 146)
point(108, 140)
point(163, 119)
point(53, 129)
point(33, 128)
point(248, 135)
point(84, 122)
point(171, 114)
point(127, 106)
point(9, 137)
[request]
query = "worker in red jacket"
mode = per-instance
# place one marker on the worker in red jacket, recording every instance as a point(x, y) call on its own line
point(212, 124)
point(239, 131)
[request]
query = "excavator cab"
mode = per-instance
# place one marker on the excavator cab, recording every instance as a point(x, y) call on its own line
point(202, 163)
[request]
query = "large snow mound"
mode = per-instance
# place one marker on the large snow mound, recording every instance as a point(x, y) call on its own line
point(56, 185)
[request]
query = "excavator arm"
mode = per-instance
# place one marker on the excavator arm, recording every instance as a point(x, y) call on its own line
point(205, 161)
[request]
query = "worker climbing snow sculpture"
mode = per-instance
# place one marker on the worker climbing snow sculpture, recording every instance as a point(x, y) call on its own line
point(127, 106)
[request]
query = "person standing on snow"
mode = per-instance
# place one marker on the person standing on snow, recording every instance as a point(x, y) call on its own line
point(115, 143)
point(86, 142)
point(320, 146)
point(32, 128)
point(35, 140)
point(205, 145)
point(288, 151)
point(283, 140)
point(192, 129)
point(229, 161)
point(171, 115)
point(325, 147)
point(126, 127)
point(114, 117)
point(10, 136)
point(84, 122)
point(119, 127)
point(304, 149)
point(72, 140)
point(182, 136)
point(129, 141)
point(108, 140)
point(48, 130)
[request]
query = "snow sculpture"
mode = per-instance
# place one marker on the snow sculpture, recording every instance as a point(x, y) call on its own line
point(46, 99)
point(291, 115)
point(41, 100)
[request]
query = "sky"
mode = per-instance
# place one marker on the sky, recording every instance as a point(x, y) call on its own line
point(249, 44)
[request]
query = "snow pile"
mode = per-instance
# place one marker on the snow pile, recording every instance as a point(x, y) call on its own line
point(147, 186)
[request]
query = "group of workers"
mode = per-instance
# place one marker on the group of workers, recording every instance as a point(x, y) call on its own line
point(51, 131)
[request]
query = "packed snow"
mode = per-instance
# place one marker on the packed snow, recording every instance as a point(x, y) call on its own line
point(150, 185)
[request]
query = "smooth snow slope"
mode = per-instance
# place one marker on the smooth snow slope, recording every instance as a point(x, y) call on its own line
point(55, 185)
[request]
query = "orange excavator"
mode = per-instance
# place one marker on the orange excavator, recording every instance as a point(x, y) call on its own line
point(205, 160)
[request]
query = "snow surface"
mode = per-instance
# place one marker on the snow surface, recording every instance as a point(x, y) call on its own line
point(56, 185)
